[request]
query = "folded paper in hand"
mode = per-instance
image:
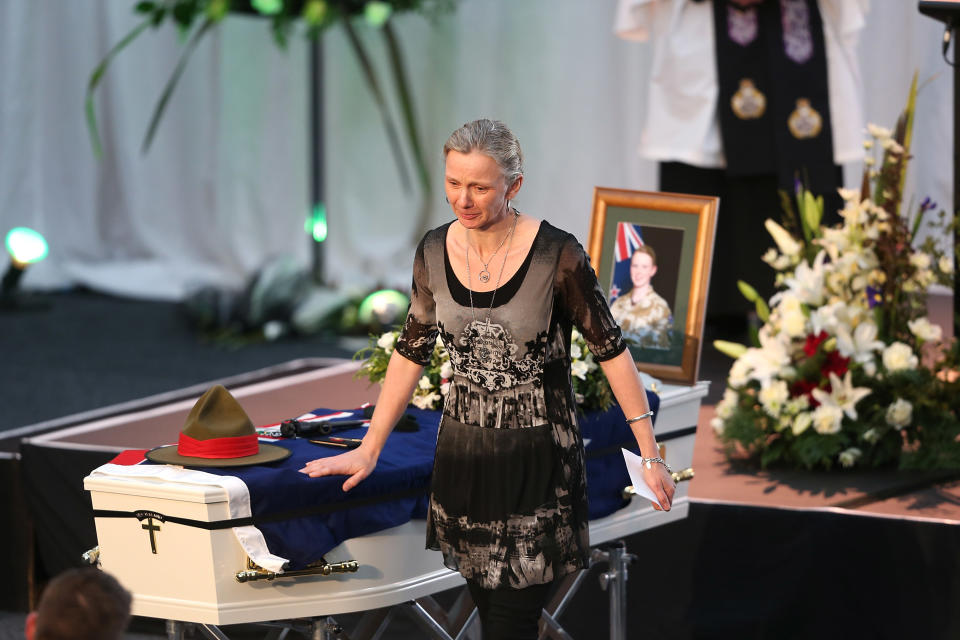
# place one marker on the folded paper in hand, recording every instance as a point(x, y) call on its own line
point(635, 469)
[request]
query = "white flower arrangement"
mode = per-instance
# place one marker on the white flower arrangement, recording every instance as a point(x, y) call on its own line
point(847, 368)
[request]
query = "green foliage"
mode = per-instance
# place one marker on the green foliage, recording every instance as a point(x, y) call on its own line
point(284, 17)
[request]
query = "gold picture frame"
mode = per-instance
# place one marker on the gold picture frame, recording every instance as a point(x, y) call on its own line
point(663, 322)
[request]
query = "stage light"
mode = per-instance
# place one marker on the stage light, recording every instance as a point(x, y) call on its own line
point(383, 308)
point(377, 13)
point(267, 7)
point(25, 247)
point(316, 223)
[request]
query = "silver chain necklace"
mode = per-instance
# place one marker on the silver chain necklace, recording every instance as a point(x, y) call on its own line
point(484, 275)
point(473, 312)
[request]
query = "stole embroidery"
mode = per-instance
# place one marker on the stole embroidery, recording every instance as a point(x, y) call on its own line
point(797, 39)
point(742, 25)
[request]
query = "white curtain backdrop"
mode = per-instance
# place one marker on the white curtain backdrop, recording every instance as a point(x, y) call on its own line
point(225, 186)
point(221, 189)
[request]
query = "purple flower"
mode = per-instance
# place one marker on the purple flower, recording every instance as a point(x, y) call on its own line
point(927, 204)
point(874, 297)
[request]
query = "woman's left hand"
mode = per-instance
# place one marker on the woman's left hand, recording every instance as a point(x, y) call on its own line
point(661, 483)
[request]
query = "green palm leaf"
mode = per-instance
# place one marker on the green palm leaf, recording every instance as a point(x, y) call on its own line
point(374, 84)
point(97, 76)
point(172, 82)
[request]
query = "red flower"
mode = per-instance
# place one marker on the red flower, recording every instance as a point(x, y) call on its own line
point(804, 388)
point(813, 342)
point(835, 363)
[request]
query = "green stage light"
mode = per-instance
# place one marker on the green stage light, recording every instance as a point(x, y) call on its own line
point(25, 246)
point(315, 12)
point(384, 307)
point(377, 13)
point(268, 7)
point(316, 223)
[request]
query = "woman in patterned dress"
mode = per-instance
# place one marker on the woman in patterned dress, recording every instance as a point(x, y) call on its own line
point(503, 290)
point(642, 313)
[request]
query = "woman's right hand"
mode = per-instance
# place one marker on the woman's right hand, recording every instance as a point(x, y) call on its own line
point(357, 463)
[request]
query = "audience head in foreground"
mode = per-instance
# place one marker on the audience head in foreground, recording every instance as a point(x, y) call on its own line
point(80, 604)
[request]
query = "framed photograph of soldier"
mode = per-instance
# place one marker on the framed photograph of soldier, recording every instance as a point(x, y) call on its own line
point(652, 254)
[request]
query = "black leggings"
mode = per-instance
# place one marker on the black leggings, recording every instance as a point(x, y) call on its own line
point(509, 614)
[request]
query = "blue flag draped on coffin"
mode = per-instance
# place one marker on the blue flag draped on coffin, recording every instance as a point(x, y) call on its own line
point(315, 515)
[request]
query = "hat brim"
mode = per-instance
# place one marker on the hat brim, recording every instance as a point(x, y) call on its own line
point(167, 454)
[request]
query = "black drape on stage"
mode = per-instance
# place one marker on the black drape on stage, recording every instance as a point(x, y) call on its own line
point(60, 507)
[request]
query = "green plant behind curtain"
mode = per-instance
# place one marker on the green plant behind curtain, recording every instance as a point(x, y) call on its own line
point(194, 18)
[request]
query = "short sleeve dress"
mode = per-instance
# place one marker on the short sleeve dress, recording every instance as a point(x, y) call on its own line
point(508, 502)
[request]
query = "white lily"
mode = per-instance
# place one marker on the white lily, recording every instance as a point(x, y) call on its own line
point(861, 345)
point(788, 246)
point(807, 281)
point(770, 360)
point(835, 241)
point(843, 395)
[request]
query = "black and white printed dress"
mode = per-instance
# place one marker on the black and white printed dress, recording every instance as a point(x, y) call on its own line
point(508, 505)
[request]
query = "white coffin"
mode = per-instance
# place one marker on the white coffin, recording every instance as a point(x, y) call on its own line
point(192, 575)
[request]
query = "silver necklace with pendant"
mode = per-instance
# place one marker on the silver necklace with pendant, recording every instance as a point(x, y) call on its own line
point(473, 312)
point(484, 275)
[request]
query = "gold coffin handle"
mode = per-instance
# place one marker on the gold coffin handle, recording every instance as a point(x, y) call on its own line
point(254, 573)
point(92, 556)
point(678, 476)
point(683, 475)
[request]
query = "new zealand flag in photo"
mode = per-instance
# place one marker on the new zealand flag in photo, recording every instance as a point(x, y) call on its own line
point(629, 239)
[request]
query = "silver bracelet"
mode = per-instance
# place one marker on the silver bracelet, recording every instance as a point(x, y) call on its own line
point(649, 462)
point(648, 414)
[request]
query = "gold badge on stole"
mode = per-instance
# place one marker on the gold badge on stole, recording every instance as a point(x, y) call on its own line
point(748, 103)
point(804, 122)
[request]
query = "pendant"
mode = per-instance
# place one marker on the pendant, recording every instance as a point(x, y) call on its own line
point(484, 276)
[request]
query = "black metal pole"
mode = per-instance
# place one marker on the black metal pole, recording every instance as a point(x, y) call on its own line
point(955, 24)
point(316, 152)
point(948, 12)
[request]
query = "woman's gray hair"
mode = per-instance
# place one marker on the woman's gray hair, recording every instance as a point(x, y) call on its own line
point(492, 138)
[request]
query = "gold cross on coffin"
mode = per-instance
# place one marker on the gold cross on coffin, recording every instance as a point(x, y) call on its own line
point(152, 528)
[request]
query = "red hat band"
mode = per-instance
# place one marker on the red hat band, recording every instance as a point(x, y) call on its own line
point(231, 447)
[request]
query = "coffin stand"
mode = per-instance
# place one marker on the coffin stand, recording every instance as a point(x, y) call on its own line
point(191, 576)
